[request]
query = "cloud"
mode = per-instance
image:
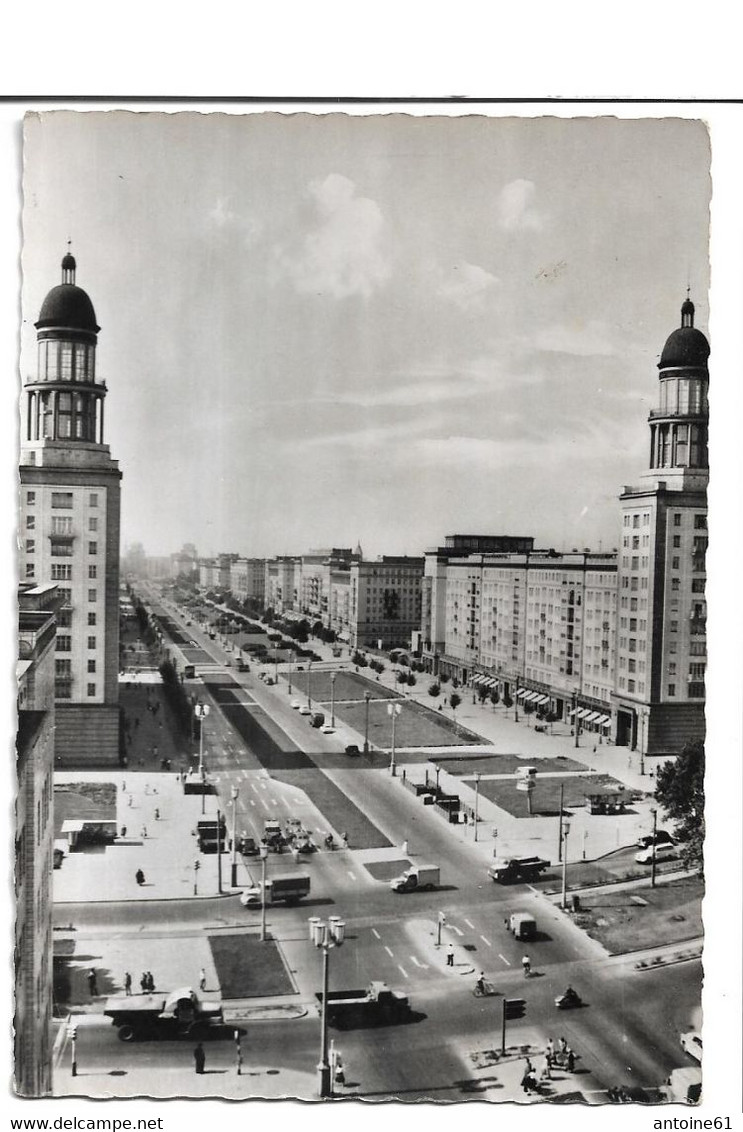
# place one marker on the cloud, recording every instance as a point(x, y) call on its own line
point(585, 339)
point(343, 254)
point(224, 218)
point(516, 212)
point(465, 283)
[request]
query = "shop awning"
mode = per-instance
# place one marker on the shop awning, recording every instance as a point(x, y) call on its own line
point(592, 717)
point(604, 720)
point(490, 682)
point(521, 693)
point(542, 699)
point(530, 697)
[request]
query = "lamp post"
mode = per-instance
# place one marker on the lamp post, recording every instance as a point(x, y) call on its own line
point(559, 827)
point(309, 684)
point(643, 731)
point(654, 812)
point(367, 697)
point(289, 688)
point(437, 768)
point(201, 711)
point(196, 867)
point(325, 935)
point(575, 717)
point(73, 1041)
point(263, 855)
point(332, 698)
point(393, 710)
point(234, 795)
point(565, 832)
point(477, 802)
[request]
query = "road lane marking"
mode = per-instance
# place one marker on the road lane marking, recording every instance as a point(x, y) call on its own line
point(423, 966)
point(376, 933)
point(386, 948)
point(454, 928)
point(404, 972)
point(470, 924)
point(504, 959)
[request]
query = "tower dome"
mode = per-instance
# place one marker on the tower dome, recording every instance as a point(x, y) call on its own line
point(67, 306)
point(686, 346)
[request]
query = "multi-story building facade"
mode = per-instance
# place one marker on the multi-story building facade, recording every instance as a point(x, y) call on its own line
point(248, 579)
point(385, 601)
point(618, 638)
point(662, 645)
point(283, 583)
point(69, 514)
point(34, 838)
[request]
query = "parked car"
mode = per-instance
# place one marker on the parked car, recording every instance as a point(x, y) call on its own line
point(662, 853)
point(304, 710)
point(662, 837)
point(352, 750)
point(327, 729)
point(691, 1043)
point(247, 846)
point(296, 704)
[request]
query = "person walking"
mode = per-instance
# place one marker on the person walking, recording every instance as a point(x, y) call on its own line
point(550, 1048)
point(144, 982)
point(140, 877)
point(127, 983)
point(450, 956)
point(202, 979)
point(570, 1060)
point(563, 1047)
point(199, 1058)
point(93, 983)
point(150, 982)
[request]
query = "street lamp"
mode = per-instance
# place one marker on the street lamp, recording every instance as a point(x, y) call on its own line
point(263, 851)
point(643, 733)
point(289, 689)
point(234, 795)
point(325, 936)
point(196, 867)
point(565, 832)
point(201, 711)
point(332, 698)
point(477, 801)
point(367, 697)
point(393, 710)
point(309, 684)
point(575, 717)
point(438, 772)
point(654, 812)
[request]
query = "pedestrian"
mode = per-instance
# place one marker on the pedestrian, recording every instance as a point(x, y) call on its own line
point(450, 956)
point(127, 983)
point(123, 786)
point(550, 1048)
point(144, 982)
point(345, 841)
point(93, 982)
point(157, 815)
point(151, 982)
point(202, 979)
point(570, 1060)
point(547, 1072)
point(131, 798)
point(140, 877)
point(340, 1076)
point(144, 832)
point(199, 1058)
point(123, 831)
point(563, 1046)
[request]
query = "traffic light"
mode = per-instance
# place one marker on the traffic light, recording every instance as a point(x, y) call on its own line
point(514, 1007)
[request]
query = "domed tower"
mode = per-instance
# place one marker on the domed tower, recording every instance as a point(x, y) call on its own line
point(70, 515)
point(661, 653)
point(65, 402)
point(678, 427)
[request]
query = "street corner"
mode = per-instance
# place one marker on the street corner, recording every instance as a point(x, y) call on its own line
point(440, 946)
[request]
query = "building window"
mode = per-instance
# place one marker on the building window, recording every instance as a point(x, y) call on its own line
point(672, 668)
point(61, 549)
point(671, 689)
point(676, 541)
point(30, 545)
point(62, 690)
point(91, 689)
point(64, 618)
point(92, 523)
point(63, 668)
point(697, 585)
point(61, 524)
point(91, 618)
point(91, 666)
point(30, 569)
point(64, 643)
point(700, 522)
point(696, 691)
point(630, 685)
point(92, 571)
point(675, 584)
point(92, 548)
point(674, 626)
point(30, 522)
point(94, 499)
point(677, 519)
point(676, 563)
point(62, 499)
point(30, 497)
point(61, 573)
point(91, 642)
point(92, 595)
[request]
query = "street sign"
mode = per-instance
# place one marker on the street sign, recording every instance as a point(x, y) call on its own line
point(514, 1007)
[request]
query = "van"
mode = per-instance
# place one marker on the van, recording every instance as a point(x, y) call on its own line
point(317, 720)
point(522, 925)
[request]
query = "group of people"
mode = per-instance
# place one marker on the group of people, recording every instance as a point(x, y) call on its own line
point(562, 1056)
point(147, 983)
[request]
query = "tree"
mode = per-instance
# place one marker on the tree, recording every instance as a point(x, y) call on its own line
point(679, 791)
point(433, 689)
point(454, 701)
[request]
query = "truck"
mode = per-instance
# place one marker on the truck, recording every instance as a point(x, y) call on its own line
point(287, 889)
point(417, 878)
point(377, 1005)
point(166, 1014)
point(211, 834)
point(511, 870)
point(523, 925)
point(273, 836)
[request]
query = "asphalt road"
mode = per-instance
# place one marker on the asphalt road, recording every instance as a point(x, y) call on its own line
point(626, 1034)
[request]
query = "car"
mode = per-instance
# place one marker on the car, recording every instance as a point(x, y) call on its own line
point(662, 853)
point(247, 846)
point(296, 704)
point(304, 710)
point(662, 837)
point(352, 750)
point(691, 1043)
point(327, 729)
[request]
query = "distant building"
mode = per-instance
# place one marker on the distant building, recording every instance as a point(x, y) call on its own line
point(34, 838)
point(384, 606)
point(70, 508)
point(248, 579)
point(283, 583)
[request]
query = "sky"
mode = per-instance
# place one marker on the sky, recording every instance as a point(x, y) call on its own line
point(324, 329)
